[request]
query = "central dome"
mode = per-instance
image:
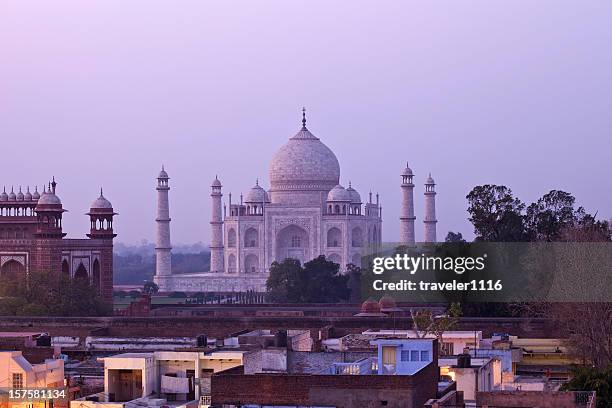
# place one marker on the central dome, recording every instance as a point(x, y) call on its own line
point(303, 164)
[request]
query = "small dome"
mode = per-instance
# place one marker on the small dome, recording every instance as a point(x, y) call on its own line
point(355, 197)
point(387, 302)
point(407, 171)
point(28, 195)
point(370, 306)
point(20, 196)
point(4, 196)
point(101, 203)
point(339, 193)
point(163, 174)
point(12, 196)
point(36, 195)
point(48, 198)
point(257, 195)
point(430, 180)
point(216, 182)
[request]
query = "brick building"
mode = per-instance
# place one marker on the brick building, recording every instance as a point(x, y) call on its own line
point(32, 240)
point(404, 373)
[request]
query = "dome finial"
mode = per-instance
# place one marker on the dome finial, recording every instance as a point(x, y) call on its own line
point(101, 195)
point(304, 118)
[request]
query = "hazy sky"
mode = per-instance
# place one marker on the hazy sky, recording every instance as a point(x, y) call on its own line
point(101, 93)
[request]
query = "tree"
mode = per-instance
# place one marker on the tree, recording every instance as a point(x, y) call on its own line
point(549, 216)
point(454, 237)
point(47, 294)
point(150, 288)
point(323, 282)
point(592, 379)
point(318, 281)
point(496, 214)
point(424, 322)
point(283, 284)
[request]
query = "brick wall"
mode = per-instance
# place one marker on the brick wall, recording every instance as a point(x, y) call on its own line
point(528, 399)
point(218, 326)
point(327, 390)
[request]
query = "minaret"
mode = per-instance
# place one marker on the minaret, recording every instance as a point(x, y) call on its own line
point(407, 210)
point(163, 248)
point(216, 229)
point(430, 210)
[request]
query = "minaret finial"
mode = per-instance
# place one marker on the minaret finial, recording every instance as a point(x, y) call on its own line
point(304, 117)
point(257, 181)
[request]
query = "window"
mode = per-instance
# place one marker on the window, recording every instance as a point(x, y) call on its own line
point(447, 349)
point(405, 356)
point(414, 355)
point(296, 241)
point(425, 355)
point(17, 380)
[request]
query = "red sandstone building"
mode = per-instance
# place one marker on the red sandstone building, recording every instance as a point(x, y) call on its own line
point(32, 240)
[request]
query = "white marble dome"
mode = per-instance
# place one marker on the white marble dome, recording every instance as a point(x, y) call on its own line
point(304, 163)
point(339, 193)
point(257, 195)
point(163, 174)
point(354, 194)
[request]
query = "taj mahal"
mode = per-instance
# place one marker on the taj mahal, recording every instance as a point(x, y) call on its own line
point(304, 213)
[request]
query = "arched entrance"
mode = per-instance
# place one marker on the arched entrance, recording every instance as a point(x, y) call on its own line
point(65, 268)
point(13, 270)
point(334, 238)
point(96, 275)
point(81, 272)
point(251, 264)
point(292, 242)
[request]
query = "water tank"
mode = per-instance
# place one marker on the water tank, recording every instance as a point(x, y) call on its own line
point(43, 340)
point(280, 338)
point(202, 340)
point(464, 360)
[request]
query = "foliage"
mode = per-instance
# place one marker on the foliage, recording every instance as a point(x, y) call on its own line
point(546, 218)
point(318, 281)
point(592, 379)
point(588, 327)
point(46, 294)
point(496, 214)
point(454, 237)
point(424, 322)
point(150, 288)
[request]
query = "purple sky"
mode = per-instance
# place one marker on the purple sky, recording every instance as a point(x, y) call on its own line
point(103, 92)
